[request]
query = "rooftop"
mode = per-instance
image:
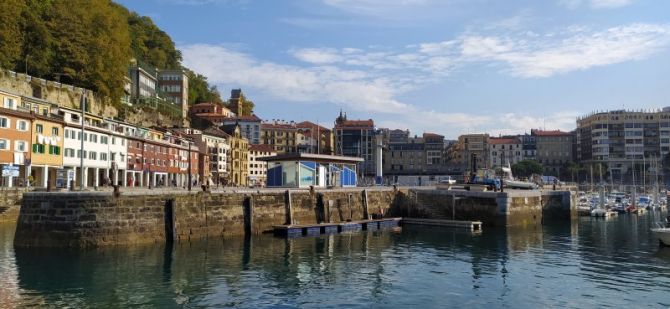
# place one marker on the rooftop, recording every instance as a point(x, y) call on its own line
point(550, 133)
point(503, 140)
point(312, 157)
point(261, 148)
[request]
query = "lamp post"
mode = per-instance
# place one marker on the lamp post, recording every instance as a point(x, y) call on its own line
point(189, 165)
point(81, 164)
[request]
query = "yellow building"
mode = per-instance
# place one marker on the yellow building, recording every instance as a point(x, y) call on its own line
point(238, 160)
point(36, 106)
point(47, 149)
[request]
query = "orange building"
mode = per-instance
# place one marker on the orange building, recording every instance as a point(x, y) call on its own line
point(15, 139)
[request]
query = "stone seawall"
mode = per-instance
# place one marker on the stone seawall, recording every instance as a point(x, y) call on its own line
point(10, 202)
point(509, 208)
point(89, 219)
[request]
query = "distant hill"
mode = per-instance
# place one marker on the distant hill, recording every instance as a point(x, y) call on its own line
point(89, 44)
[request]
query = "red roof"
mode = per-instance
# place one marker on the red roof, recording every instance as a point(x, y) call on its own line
point(261, 148)
point(311, 126)
point(550, 133)
point(503, 140)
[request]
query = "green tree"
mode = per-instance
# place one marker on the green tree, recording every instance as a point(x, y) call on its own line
point(200, 91)
point(526, 168)
point(11, 35)
point(91, 44)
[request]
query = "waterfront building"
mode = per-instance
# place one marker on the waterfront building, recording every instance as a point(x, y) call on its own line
point(621, 141)
point(529, 147)
point(174, 87)
point(250, 127)
point(15, 137)
point(302, 170)
point(238, 161)
point(283, 137)
point(257, 167)
point(158, 158)
point(473, 149)
point(504, 151)
point(413, 155)
point(47, 145)
point(355, 138)
point(213, 142)
point(315, 138)
point(99, 166)
point(554, 150)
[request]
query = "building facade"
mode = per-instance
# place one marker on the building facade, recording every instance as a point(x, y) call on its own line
point(174, 86)
point(283, 137)
point(238, 161)
point(473, 150)
point(356, 138)
point(554, 150)
point(258, 169)
point(250, 127)
point(15, 139)
point(504, 151)
point(315, 138)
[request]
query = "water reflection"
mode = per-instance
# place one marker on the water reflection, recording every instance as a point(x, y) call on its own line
point(594, 263)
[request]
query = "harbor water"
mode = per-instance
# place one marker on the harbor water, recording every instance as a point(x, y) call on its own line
point(593, 263)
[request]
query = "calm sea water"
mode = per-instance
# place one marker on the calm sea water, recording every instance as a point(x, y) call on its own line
point(595, 263)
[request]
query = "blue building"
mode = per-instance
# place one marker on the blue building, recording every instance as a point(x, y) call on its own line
point(302, 170)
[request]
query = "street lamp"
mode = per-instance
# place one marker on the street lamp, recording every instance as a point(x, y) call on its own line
point(189, 165)
point(82, 103)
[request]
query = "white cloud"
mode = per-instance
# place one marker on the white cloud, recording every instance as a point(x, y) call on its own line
point(370, 80)
point(595, 4)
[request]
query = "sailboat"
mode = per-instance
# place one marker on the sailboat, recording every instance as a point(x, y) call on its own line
point(600, 210)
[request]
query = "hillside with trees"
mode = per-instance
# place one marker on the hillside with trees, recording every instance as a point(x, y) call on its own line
point(89, 44)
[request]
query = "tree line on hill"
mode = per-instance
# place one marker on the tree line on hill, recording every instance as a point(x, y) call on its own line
point(88, 43)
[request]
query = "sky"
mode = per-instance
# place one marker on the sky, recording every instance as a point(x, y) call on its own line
point(443, 66)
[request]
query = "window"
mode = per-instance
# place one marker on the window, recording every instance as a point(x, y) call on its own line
point(92, 155)
point(4, 144)
point(20, 146)
point(93, 138)
point(103, 156)
point(22, 125)
point(55, 150)
point(113, 140)
point(4, 122)
point(79, 153)
point(54, 131)
point(112, 156)
point(69, 152)
point(39, 128)
point(38, 148)
point(9, 103)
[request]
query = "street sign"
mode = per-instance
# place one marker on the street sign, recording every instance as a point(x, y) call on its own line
point(10, 171)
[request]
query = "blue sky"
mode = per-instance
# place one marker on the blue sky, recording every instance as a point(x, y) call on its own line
point(443, 66)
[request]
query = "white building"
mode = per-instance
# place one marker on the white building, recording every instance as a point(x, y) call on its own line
point(258, 170)
point(504, 150)
point(104, 150)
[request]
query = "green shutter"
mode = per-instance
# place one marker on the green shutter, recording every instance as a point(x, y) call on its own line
point(35, 148)
point(51, 149)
